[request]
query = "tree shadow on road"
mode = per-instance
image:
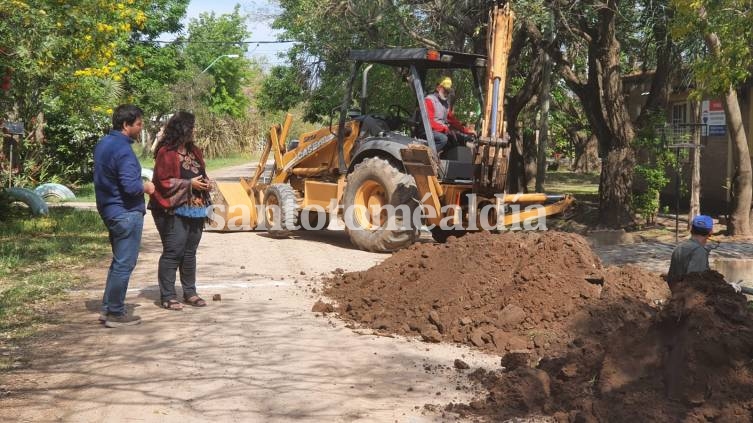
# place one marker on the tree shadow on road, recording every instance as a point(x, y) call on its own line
point(230, 361)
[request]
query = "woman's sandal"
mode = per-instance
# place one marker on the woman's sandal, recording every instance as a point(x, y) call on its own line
point(172, 305)
point(195, 301)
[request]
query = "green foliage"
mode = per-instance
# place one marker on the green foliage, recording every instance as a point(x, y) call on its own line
point(69, 64)
point(280, 91)
point(67, 157)
point(225, 96)
point(319, 60)
point(646, 203)
point(732, 22)
point(651, 170)
point(565, 120)
point(161, 67)
point(48, 48)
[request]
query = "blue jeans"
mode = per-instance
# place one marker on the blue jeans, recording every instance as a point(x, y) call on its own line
point(440, 140)
point(125, 240)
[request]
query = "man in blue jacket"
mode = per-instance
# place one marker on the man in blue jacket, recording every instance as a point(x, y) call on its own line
point(120, 201)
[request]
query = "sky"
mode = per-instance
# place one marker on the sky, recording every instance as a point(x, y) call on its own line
point(257, 24)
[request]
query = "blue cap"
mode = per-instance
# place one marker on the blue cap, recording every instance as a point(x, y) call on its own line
point(703, 223)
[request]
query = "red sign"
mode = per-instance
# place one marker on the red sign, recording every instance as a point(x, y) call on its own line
point(716, 106)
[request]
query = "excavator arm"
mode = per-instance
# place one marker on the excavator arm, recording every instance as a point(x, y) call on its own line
point(492, 152)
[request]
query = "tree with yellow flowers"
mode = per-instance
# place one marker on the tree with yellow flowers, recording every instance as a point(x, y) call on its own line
point(64, 65)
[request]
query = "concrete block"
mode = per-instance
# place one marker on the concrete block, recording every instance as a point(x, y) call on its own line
point(734, 269)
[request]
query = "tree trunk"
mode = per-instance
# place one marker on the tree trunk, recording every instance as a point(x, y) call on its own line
point(586, 152)
point(742, 184)
point(740, 223)
point(516, 180)
point(602, 97)
point(544, 124)
point(517, 175)
point(604, 106)
point(529, 156)
point(615, 187)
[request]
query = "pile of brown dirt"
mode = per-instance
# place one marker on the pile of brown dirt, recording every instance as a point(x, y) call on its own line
point(691, 362)
point(578, 342)
point(499, 292)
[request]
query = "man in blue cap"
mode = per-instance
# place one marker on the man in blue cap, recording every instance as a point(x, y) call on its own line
point(692, 256)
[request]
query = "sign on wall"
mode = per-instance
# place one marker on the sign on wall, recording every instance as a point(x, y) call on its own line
point(712, 116)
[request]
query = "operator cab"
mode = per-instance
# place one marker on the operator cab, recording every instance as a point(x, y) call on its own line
point(419, 67)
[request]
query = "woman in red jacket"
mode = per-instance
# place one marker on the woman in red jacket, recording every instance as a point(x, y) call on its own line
point(179, 206)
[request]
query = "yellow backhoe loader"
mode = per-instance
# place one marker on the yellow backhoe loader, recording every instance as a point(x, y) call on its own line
point(381, 172)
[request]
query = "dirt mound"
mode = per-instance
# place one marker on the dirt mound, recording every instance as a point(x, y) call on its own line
point(499, 292)
point(578, 342)
point(690, 362)
point(707, 332)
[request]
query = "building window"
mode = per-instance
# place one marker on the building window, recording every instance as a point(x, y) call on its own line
point(679, 114)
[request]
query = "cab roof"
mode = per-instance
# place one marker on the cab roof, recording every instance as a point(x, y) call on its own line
point(420, 57)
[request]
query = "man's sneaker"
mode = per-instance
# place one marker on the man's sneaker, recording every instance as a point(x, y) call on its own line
point(102, 317)
point(116, 321)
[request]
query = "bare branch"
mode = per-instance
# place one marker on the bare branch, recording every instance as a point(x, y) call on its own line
point(577, 32)
point(564, 66)
point(415, 35)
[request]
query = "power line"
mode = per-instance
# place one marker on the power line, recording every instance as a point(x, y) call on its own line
point(185, 41)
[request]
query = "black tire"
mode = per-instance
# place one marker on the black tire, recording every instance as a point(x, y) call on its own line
point(311, 219)
point(375, 181)
point(55, 192)
point(35, 203)
point(440, 235)
point(280, 212)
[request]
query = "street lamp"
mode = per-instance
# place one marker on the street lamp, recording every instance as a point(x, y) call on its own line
point(229, 56)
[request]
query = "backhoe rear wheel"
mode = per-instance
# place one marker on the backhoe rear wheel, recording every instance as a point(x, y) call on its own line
point(379, 205)
point(280, 210)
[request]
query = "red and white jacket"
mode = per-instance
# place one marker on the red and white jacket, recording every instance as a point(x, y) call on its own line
point(440, 115)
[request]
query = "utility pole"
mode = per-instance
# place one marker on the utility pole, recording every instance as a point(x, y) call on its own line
point(695, 178)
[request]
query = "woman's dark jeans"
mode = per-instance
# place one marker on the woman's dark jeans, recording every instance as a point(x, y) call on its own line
point(180, 238)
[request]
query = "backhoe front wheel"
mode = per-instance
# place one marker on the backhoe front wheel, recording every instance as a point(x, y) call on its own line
point(314, 219)
point(280, 210)
point(380, 202)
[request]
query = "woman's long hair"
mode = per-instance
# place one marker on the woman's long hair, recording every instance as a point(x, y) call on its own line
point(178, 131)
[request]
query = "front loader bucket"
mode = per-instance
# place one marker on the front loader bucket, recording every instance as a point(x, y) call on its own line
point(234, 207)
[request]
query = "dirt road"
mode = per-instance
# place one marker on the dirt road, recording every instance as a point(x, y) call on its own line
point(258, 355)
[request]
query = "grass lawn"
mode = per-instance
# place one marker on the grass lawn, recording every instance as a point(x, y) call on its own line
point(85, 192)
point(212, 164)
point(584, 186)
point(40, 259)
point(235, 160)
